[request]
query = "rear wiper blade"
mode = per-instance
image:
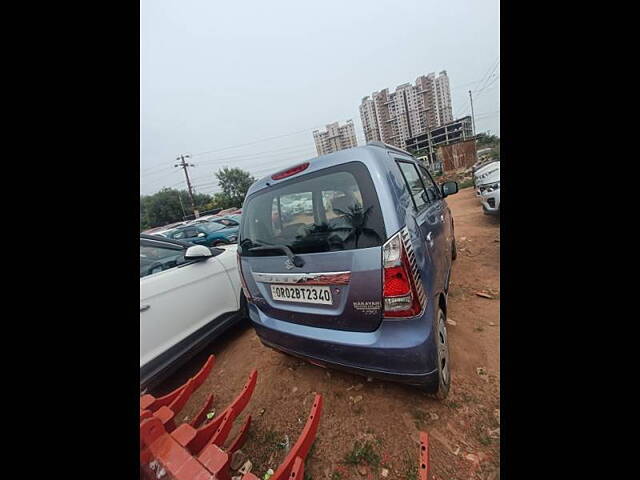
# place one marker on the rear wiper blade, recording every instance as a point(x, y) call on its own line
point(297, 261)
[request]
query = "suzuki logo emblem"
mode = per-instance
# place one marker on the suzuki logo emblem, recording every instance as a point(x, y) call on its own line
point(288, 264)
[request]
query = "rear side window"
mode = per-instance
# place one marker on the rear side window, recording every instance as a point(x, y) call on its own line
point(414, 183)
point(433, 192)
point(330, 210)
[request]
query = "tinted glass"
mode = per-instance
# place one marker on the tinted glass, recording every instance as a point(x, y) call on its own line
point(333, 209)
point(413, 183)
point(154, 259)
point(433, 191)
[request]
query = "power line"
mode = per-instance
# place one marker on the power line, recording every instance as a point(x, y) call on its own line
point(257, 141)
point(304, 146)
point(156, 180)
point(156, 169)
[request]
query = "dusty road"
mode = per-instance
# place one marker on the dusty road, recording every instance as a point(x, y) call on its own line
point(464, 429)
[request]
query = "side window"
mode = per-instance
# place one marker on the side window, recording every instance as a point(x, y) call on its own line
point(228, 223)
point(156, 258)
point(414, 183)
point(190, 232)
point(430, 186)
point(178, 235)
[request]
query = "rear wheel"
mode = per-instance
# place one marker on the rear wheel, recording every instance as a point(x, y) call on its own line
point(441, 390)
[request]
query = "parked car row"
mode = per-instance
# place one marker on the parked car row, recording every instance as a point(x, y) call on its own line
point(214, 233)
point(354, 274)
point(232, 213)
point(486, 179)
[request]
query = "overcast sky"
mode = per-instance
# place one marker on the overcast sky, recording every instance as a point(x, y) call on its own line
point(220, 79)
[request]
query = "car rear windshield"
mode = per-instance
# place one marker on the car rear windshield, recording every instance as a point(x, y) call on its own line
point(329, 210)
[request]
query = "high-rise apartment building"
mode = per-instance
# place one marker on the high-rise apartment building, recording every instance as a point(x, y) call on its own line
point(409, 111)
point(335, 138)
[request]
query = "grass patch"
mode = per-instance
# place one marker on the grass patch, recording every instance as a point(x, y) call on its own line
point(478, 329)
point(484, 439)
point(419, 417)
point(410, 469)
point(362, 453)
point(335, 476)
point(466, 184)
point(270, 436)
point(453, 404)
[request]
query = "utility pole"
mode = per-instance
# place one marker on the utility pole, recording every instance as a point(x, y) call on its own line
point(473, 117)
point(183, 164)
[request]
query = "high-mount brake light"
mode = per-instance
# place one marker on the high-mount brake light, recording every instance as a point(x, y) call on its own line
point(290, 171)
point(400, 291)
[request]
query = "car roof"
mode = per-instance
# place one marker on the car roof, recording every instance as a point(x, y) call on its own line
point(370, 154)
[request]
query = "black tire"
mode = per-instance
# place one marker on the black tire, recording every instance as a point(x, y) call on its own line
point(454, 250)
point(441, 390)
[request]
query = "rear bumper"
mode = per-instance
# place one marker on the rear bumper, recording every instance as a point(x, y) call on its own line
point(399, 350)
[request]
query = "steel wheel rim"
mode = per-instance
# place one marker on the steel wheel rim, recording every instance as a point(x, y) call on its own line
point(443, 349)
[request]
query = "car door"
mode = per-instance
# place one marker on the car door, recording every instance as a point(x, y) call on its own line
point(429, 216)
point(444, 215)
point(179, 303)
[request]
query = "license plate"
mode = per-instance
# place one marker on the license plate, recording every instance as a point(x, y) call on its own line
point(302, 294)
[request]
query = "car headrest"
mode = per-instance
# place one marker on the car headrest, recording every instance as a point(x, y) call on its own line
point(341, 203)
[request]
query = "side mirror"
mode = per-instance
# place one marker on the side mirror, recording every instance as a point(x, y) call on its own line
point(197, 252)
point(201, 234)
point(449, 188)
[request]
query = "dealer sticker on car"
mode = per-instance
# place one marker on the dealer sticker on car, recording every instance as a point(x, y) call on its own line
point(302, 294)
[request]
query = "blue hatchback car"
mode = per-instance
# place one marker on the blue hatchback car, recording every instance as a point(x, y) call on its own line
point(210, 234)
point(346, 261)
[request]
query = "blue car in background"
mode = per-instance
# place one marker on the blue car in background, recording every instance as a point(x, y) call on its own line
point(345, 260)
point(210, 234)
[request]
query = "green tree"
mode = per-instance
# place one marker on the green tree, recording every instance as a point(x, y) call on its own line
point(486, 140)
point(166, 206)
point(234, 183)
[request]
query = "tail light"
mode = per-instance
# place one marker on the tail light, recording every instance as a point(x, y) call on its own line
point(245, 288)
point(402, 288)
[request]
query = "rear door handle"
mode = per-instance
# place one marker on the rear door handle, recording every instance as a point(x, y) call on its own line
point(144, 307)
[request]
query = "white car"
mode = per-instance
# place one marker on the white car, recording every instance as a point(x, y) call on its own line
point(487, 182)
point(189, 294)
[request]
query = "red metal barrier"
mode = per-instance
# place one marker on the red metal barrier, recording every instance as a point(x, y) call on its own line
point(302, 446)
point(424, 456)
point(193, 451)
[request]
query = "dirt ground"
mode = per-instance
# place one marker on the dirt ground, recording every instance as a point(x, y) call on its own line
point(374, 423)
